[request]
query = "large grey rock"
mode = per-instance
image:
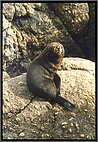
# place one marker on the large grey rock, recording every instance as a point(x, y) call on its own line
point(29, 27)
point(88, 41)
point(32, 27)
point(79, 19)
point(9, 10)
point(5, 76)
point(74, 15)
point(38, 119)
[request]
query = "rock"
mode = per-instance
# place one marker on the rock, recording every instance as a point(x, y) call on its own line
point(74, 67)
point(78, 64)
point(21, 134)
point(9, 10)
point(5, 76)
point(6, 23)
point(79, 19)
point(44, 23)
point(12, 53)
point(25, 119)
point(20, 10)
point(82, 135)
point(74, 15)
point(30, 8)
point(32, 28)
point(87, 42)
point(29, 27)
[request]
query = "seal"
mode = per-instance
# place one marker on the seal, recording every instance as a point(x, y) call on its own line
point(42, 78)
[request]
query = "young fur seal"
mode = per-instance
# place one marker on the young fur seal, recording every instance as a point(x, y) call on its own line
point(42, 78)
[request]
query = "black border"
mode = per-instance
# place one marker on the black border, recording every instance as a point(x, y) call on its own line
point(49, 1)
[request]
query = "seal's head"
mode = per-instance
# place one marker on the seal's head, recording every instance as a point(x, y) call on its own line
point(55, 49)
point(54, 52)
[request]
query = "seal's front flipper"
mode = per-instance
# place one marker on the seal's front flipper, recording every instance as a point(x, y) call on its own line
point(57, 81)
point(67, 104)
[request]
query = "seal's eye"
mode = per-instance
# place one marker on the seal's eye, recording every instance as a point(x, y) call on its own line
point(54, 50)
point(57, 47)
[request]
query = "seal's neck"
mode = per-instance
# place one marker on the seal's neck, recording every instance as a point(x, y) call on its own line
point(50, 67)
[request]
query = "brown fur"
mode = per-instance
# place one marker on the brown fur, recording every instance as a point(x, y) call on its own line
point(42, 78)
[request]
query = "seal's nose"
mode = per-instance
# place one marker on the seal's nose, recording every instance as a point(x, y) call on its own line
point(60, 49)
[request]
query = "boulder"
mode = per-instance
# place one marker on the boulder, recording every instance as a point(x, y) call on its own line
point(26, 116)
point(9, 11)
point(74, 15)
point(79, 19)
point(5, 76)
point(27, 31)
point(29, 27)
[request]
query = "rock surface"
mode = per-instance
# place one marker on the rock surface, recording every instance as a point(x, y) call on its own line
point(74, 15)
point(29, 27)
point(79, 19)
point(38, 119)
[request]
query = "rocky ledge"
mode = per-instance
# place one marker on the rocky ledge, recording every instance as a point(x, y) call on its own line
point(24, 118)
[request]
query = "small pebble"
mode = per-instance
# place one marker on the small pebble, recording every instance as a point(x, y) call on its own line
point(85, 110)
point(70, 130)
point(77, 125)
point(64, 123)
point(42, 128)
point(21, 134)
point(9, 137)
point(71, 124)
point(73, 113)
point(36, 107)
point(8, 104)
point(82, 135)
point(20, 83)
point(38, 113)
point(45, 135)
point(71, 118)
point(56, 113)
point(82, 101)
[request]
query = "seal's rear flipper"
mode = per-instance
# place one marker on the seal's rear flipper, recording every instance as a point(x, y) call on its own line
point(67, 104)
